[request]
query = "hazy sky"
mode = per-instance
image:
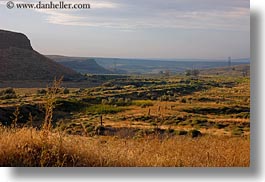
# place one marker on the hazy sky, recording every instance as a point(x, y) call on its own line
point(212, 29)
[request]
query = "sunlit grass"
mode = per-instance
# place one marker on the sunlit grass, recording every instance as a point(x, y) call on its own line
point(28, 147)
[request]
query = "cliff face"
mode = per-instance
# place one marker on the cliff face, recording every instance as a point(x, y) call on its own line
point(12, 39)
point(18, 61)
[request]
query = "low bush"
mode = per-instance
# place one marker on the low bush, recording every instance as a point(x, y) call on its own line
point(70, 105)
point(183, 100)
point(181, 132)
point(245, 115)
point(65, 91)
point(116, 101)
point(195, 133)
point(237, 131)
point(199, 121)
point(218, 110)
point(8, 93)
point(221, 126)
point(41, 92)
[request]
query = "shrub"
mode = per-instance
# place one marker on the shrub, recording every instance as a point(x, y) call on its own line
point(153, 123)
point(169, 122)
point(69, 105)
point(104, 101)
point(128, 101)
point(181, 132)
point(120, 101)
point(199, 121)
point(8, 93)
point(193, 72)
point(111, 100)
point(221, 126)
point(66, 91)
point(218, 110)
point(170, 130)
point(195, 133)
point(183, 100)
point(181, 118)
point(237, 131)
point(205, 99)
point(245, 115)
point(116, 101)
point(184, 123)
point(41, 92)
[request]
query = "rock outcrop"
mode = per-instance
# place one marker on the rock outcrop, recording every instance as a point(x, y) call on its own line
point(18, 61)
point(11, 39)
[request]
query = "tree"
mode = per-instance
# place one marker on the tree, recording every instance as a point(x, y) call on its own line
point(188, 73)
point(193, 72)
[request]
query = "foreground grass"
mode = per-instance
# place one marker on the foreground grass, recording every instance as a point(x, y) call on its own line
point(28, 147)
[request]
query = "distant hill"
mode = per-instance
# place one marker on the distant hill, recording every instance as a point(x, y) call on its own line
point(145, 66)
point(236, 70)
point(81, 65)
point(18, 61)
point(97, 65)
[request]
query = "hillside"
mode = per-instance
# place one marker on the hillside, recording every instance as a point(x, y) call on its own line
point(81, 65)
point(236, 70)
point(18, 61)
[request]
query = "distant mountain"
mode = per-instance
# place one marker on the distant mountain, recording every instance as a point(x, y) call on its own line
point(18, 61)
point(81, 65)
point(97, 65)
point(145, 66)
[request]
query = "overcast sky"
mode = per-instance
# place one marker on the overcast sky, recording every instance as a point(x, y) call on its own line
point(212, 29)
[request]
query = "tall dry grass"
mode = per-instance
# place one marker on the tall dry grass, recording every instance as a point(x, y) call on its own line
point(27, 147)
point(51, 96)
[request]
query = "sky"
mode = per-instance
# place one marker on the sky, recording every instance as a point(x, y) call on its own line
point(168, 29)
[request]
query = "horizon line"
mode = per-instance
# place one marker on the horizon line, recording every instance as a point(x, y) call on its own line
point(154, 59)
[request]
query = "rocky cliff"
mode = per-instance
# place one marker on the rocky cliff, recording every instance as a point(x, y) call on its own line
point(12, 39)
point(18, 61)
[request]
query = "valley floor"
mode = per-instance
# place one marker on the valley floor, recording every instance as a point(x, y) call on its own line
point(174, 121)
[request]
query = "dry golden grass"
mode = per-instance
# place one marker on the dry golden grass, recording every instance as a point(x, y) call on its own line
point(28, 147)
point(47, 147)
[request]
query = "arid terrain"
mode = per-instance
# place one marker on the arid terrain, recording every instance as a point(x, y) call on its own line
point(52, 115)
point(150, 120)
